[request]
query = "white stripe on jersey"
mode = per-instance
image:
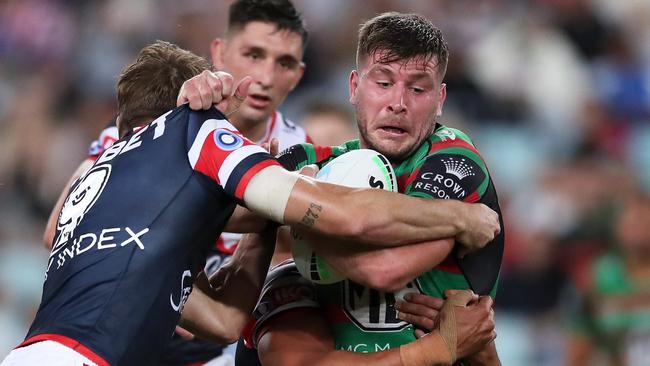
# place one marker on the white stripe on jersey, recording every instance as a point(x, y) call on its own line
point(207, 127)
point(234, 158)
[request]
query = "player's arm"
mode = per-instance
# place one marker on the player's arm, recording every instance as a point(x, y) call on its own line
point(288, 340)
point(335, 210)
point(244, 220)
point(370, 216)
point(219, 309)
point(386, 269)
point(50, 227)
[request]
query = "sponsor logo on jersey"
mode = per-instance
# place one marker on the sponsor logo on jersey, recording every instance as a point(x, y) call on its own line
point(186, 289)
point(82, 198)
point(374, 310)
point(110, 238)
point(457, 167)
point(227, 140)
point(448, 176)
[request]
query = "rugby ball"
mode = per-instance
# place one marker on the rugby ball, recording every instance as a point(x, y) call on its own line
point(362, 168)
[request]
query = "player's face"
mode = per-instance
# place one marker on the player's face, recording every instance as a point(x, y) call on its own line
point(396, 103)
point(270, 56)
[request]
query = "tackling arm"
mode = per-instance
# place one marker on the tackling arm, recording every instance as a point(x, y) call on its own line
point(361, 214)
point(218, 310)
point(387, 269)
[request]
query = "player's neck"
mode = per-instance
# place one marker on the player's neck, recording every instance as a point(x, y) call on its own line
point(254, 130)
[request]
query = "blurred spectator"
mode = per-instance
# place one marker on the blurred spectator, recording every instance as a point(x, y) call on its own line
point(612, 319)
point(556, 91)
point(329, 123)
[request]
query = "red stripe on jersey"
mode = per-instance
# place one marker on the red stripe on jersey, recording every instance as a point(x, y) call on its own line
point(335, 315)
point(437, 146)
point(408, 179)
point(402, 182)
point(219, 243)
point(68, 342)
point(322, 152)
point(269, 129)
point(220, 246)
point(211, 158)
point(472, 198)
point(243, 182)
point(449, 265)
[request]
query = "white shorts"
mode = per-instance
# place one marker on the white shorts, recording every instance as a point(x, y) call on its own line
point(46, 353)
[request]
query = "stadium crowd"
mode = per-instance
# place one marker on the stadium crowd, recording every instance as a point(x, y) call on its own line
point(556, 91)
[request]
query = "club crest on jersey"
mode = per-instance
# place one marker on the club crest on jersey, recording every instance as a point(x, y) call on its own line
point(446, 135)
point(227, 140)
point(79, 201)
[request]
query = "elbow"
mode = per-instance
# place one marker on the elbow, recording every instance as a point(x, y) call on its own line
point(230, 337)
point(386, 276)
point(388, 283)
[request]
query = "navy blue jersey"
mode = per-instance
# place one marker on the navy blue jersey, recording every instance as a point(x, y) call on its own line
point(134, 231)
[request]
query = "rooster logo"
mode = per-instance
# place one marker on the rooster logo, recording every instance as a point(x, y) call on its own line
point(79, 201)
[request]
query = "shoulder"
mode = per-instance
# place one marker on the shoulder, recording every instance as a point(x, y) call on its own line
point(448, 166)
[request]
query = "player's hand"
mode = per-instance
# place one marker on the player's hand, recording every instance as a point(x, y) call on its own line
point(214, 88)
point(183, 333)
point(420, 310)
point(467, 324)
point(273, 147)
point(481, 226)
point(309, 170)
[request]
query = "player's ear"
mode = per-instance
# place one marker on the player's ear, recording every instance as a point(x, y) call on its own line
point(301, 72)
point(353, 84)
point(217, 48)
point(442, 95)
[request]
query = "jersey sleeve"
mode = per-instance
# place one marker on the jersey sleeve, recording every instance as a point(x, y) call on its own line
point(298, 156)
point(284, 289)
point(454, 169)
point(106, 138)
point(219, 151)
point(450, 173)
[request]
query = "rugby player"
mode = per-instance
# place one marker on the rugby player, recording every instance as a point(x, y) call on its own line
point(398, 94)
point(265, 39)
point(133, 232)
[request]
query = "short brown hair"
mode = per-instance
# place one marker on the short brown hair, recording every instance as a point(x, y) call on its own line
point(404, 37)
point(149, 87)
point(281, 13)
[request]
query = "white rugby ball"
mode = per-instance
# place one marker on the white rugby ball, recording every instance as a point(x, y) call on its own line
point(362, 168)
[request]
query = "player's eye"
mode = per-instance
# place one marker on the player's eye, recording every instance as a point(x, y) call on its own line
point(79, 197)
point(383, 84)
point(255, 56)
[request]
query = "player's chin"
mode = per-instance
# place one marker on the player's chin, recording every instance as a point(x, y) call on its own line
point(255, 113)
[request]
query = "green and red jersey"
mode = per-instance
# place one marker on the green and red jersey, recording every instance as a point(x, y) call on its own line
point(446, 166)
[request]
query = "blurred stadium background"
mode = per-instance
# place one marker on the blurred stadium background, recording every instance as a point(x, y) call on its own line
point(556, 94)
